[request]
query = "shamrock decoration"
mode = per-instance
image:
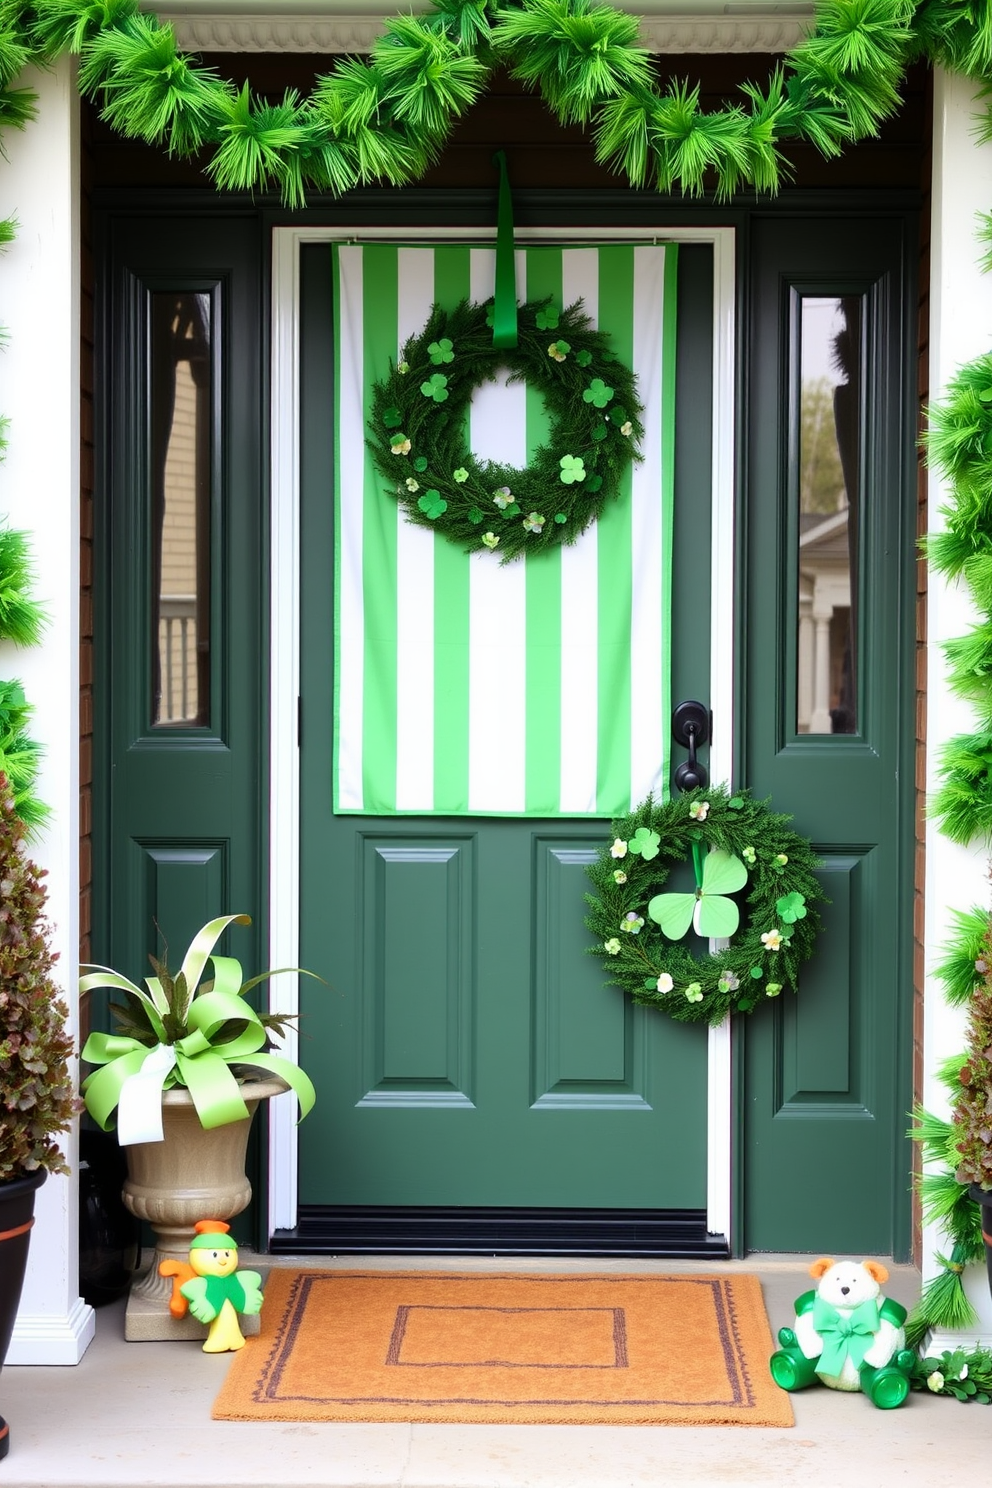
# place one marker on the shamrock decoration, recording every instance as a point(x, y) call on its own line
point(584, 358)
point(399, 444)
point(534, 522)
point(645, 843)
point(709, 912)
point(460, 475)
point(558, 350)
point(441, 351)
point(491, 540)
point(392, 418)
point(420, 464)
point(547, 319)
point(503, 497)
point(767, 936)
point(597, 393)
point(436, 387)
point(432, 504)
point(791, 907)
point(572, 469)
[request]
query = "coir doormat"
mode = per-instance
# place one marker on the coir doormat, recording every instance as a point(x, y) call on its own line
point(472, 1347)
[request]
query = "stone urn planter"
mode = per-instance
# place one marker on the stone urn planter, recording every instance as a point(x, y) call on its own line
point(194, 1173)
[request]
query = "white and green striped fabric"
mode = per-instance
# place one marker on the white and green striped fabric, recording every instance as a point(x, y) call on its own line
point(463, 687)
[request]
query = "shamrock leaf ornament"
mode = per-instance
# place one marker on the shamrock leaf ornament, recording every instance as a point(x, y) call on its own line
point(436, 387)
point(572, 469)
point(547, 319)
point(791, 907)
point(432, 504)
point(646, 843)
point(708, 911)
point(597, 393)
point(441, 351)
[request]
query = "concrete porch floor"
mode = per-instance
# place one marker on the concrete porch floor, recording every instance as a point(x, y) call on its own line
point(139, 1414)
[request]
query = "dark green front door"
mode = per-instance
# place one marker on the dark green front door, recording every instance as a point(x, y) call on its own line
point(467, 1055)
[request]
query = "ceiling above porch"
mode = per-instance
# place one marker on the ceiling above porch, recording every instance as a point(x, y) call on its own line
point(670, 26)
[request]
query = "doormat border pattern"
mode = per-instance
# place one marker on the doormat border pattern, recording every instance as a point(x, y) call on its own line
point(259, 1389)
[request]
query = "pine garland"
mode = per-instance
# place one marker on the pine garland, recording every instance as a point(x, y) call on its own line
point(387, 118)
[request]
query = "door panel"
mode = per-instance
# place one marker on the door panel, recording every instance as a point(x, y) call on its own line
point(827, 1076)
point(470, 1061)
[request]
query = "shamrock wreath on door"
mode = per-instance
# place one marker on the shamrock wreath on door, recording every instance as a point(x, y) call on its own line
point(735, 844)
point(419, 428)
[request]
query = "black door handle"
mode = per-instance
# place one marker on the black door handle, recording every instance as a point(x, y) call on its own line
point(691, 727)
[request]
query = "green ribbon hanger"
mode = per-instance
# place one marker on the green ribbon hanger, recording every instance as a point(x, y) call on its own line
point(505, 304)
point(844, 1337)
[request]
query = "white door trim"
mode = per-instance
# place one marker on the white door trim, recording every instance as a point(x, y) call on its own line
point(284, 774)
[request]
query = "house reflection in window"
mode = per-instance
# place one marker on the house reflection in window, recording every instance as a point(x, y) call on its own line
point(829, 488)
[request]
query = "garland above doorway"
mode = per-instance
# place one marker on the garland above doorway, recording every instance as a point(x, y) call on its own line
point(387, 118)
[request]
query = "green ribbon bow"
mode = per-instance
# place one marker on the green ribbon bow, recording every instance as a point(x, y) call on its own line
point(505, 303)
point(844, 1337)
point(202, 1058)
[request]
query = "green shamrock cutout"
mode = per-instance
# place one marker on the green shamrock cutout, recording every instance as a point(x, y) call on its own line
point(475, 516)
point(460, 475)
point(441, 351)
point(420, 464)
point(572, 470)
point(547, 319)
point(597, 393)
point(618, 414)
point(593, 484)
point(560, 518)
point(432, 504)
point(600, 432)
point(436, 388)
point(645, 842)
point(392, 418)
point(584, 358)
point(791, 907)
point(708, 911)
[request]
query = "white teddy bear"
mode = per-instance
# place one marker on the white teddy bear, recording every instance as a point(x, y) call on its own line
point(846, 1335)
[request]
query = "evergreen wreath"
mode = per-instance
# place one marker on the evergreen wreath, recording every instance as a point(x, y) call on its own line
point(419, 421)
point(734, 843)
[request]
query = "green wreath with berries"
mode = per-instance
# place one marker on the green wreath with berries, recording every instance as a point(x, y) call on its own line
point(419, 422)
point(736, 846)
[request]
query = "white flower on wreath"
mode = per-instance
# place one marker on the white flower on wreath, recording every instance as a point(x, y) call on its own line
point(401, 447)
point(627, 428)
point(503, 497)
point(491, 540)
point(665, 982)
point(935, 1382)
point(619, 848)
point(612, 946)
point(534, 522)
point(411, 484)
point(619, 876)
point(772, 939)
point(699, 810)
point(632, 922)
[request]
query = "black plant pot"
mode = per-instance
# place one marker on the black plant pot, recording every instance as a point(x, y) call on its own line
point(108, 1235)
point(16, 1219)
point(983, 1196)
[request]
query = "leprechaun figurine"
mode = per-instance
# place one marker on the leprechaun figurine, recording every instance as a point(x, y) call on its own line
point(218, 1291)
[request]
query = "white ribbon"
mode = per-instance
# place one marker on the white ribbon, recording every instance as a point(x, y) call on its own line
point(139, 1110)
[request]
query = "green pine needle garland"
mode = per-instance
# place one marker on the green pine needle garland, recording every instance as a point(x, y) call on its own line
point(21, 618)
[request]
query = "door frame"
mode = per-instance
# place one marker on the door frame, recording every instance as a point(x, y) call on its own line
point(284, 642)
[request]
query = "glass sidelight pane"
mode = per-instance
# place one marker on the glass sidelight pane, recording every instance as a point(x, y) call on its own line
point(181, 440)
point(830, 440)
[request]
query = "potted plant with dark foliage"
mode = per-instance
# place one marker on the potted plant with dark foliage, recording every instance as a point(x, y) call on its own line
point(36, 1093)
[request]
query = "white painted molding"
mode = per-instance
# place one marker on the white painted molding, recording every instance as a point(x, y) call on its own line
point(960, 322)
point(39, 493)
point(670, 35)
point(284, 623)
point(39, 1338)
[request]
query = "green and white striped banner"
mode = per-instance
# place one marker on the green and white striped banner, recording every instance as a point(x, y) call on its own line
point(463, 687)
